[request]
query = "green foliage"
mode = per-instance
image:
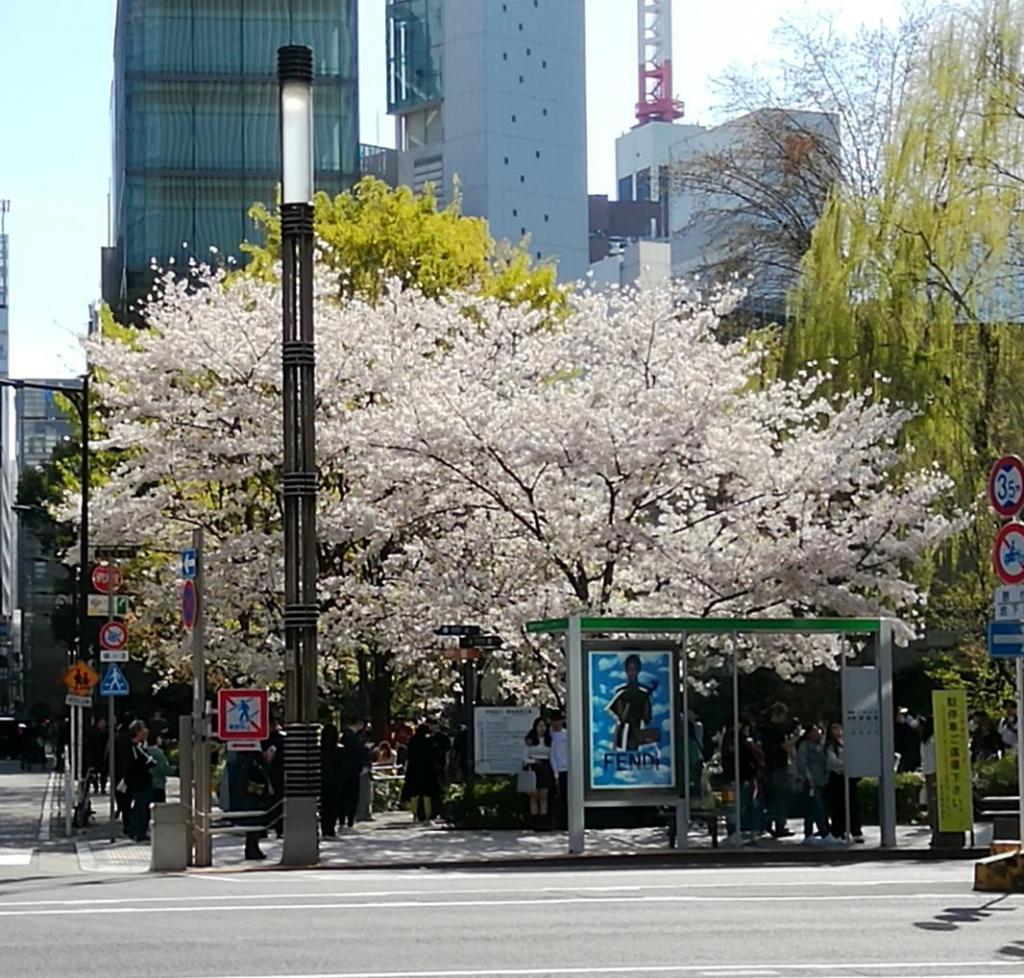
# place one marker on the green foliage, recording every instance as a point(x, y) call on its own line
point(988, 681)
point(908, 798)
point(998, 777)
point(372, 233)
point(910, 290)
point(495, 804)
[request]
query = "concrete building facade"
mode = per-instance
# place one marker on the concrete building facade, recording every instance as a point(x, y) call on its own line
point(490, 103)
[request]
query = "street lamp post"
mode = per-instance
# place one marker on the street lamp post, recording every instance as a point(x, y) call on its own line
point(301, 756)
point(79, 397)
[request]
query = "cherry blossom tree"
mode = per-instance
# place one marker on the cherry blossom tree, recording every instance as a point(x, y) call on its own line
point(479, 464)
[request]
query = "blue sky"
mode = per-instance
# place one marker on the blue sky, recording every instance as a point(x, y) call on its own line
point(55, 67)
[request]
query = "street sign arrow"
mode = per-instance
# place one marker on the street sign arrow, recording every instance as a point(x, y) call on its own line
point(189, 565)
point(1006, 639)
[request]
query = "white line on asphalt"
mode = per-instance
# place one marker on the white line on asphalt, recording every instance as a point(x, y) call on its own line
point(849, 971)
point(478, 891)
point(539, 904)
point(15, 857)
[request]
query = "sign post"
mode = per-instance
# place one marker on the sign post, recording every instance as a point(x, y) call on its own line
point(193, 619)
point(952, 762)
point(1006, 632)
point(111, 737)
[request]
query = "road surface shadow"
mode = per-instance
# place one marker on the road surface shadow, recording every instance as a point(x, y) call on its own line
point(952, 918)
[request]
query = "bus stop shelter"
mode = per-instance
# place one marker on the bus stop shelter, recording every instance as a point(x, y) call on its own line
point(631, 774)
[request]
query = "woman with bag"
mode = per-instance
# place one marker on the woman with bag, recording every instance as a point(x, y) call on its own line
point(255, 793)
point(537, 761)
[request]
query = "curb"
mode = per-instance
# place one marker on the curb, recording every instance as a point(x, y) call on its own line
point(710, 858)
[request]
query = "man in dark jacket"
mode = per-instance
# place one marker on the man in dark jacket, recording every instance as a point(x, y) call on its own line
point(353, 759)
point(140, 781)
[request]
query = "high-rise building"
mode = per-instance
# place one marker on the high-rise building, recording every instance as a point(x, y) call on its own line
point(490, 102)
point(10, 676)
point(195, 124)
point(5, 344)
point(42, 425)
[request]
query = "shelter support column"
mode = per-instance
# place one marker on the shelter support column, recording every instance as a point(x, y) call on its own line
point(577, 755)
point(887, 781)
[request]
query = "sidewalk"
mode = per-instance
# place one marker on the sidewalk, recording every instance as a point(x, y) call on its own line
point(24, 800)
point(393, 841)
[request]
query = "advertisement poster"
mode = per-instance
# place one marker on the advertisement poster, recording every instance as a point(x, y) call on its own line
point(500, 736)
point(632, 734)
point(952, 761)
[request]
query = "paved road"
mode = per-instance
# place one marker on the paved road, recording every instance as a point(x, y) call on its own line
point(882, 920)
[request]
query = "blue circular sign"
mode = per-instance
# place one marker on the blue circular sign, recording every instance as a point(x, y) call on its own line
point(189, 604)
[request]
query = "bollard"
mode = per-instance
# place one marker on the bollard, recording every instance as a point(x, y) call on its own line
point(169, 852)
point(301, 843)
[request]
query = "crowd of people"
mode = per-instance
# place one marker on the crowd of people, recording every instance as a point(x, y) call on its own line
point(785, 768)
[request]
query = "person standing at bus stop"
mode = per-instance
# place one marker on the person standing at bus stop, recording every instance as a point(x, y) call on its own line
point(560, 766)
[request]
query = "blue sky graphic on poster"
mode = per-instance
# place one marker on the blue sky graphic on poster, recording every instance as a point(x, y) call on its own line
point(632, 739)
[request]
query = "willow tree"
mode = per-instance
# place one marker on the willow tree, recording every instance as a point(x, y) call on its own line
point(915, 290)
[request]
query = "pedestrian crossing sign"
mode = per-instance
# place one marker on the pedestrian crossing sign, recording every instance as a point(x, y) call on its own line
point(114, 682)
point(243, 714)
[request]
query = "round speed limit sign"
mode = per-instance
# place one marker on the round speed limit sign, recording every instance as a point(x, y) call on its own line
point(1006, 486)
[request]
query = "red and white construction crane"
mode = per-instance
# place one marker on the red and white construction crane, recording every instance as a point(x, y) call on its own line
point(657, 103)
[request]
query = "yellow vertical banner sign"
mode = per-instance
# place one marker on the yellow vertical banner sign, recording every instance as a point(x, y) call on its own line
point(952, 761)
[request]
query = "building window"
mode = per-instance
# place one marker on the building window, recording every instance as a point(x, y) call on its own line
point(522, 179)
point(528, 52)
point(520, 79)
point(520, 27)
point(537, 154)
point(546, 216)
point(539, 255)
point(504, 55)
point(513, 118)
point(522, 231)
point(545, 111)
point(515, 212)
point(543, 64)
point(506, 161)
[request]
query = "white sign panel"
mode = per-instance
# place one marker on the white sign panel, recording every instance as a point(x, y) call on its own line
point(1008, 603)
point(99, 606)
point(82, 701)
point(862, 722)
point(499, 734)
point(113, 655)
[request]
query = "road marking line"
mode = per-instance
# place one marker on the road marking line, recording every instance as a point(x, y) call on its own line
point(642, 970)
point(548, 901)
point(15, 857)
point(478, 891)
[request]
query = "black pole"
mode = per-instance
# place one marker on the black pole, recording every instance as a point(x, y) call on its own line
point(302, 767)
point(82, 403)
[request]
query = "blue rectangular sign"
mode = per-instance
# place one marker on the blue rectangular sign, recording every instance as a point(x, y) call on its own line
point(1006, 639)
point(189, 565)
point(632, 730)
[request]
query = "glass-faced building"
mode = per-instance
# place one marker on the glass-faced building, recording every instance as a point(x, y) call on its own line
point(195, 124)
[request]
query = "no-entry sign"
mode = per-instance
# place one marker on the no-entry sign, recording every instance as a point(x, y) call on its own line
point(107, 578)
point(189, 605)
point(1008, 554)
point(113, 635)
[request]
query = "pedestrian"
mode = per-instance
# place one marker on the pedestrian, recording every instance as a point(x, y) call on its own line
point(779, 740)
point(139, 779)
point(330, 781)
point(812, 770)
point(352, 762)
point(253, 787)
point(161, 767)
point(537, 758)
point(835, 758)
point(907, 737)
point(751, 762)
point(98, 756)
point(928, 769)
point(122, 764)
point(986, 740)
point(364, 803)
point(442, 745)
point(1008, 725)
point(421, 783)
point(560, 765)
point(275, 766)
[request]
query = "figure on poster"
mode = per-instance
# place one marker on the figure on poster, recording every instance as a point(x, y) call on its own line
point(632, 737)
point(631, 706)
